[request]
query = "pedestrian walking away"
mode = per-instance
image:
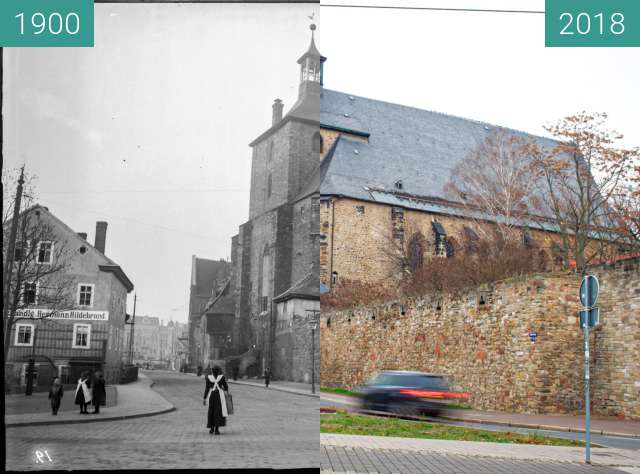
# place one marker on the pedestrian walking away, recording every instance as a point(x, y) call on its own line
point(215, 391)
point(99, 392)
point(235, 372)
point(83, 392)
point(267, 377)
point(55, 395)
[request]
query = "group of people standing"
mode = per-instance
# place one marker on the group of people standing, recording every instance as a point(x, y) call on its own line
point(90, 390)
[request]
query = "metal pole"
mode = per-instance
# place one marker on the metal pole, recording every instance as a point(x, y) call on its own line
point(8, 268)
point(587, 407)
point(31, 366)
point(313, 359)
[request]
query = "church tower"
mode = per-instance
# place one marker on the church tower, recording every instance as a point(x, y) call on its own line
point(311, 68)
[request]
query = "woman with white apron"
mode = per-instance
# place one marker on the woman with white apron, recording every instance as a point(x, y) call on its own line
point(83, 394)
point(214, 394)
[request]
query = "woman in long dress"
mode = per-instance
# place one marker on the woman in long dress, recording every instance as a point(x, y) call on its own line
point(214, 394)
point(83, 394)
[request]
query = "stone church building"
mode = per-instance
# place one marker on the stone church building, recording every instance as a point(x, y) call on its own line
point(384, 171)
point(274, 278)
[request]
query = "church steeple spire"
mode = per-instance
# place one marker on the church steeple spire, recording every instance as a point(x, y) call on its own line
point(311, 62)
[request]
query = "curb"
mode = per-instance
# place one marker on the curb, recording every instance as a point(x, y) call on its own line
point(95, 420)
point(539, 427)
point(488, 422)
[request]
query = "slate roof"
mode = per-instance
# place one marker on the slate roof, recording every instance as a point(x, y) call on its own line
point(307, 288)
point(223, 303)
point(418, 147)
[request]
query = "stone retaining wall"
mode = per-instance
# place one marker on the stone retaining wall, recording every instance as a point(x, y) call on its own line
point(485, 347)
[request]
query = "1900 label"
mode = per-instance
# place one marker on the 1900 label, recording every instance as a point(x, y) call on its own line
point(46, 23)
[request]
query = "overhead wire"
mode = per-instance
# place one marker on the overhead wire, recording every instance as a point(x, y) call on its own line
point(444, 9)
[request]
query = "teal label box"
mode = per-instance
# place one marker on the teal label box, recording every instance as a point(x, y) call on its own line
point(46, 23)
point(588, 23)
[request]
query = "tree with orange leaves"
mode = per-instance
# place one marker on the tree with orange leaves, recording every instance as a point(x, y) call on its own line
point(578, 181)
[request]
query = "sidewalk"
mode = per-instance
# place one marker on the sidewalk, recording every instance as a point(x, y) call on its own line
point(607, 426)
point(282, 386)
point(135, 399)
point(297, 388)
point(599, 456)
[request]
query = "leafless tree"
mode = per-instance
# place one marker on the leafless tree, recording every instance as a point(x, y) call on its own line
point(493, 183)
point(577, 181)
point(38, 278)
point(627, 211)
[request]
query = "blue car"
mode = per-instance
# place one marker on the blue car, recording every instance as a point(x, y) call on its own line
point(408, 393)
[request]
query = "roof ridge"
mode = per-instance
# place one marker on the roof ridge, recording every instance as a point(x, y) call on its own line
point(435, 112)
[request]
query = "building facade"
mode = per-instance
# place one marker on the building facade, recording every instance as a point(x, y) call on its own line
point(385, 170)
point(85, 329)
point(207, 279)
point(277, 249)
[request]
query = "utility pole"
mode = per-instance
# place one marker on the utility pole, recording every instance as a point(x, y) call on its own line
point(133, 325)
point(8, 264)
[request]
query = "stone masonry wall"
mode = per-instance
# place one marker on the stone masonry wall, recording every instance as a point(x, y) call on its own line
point(485, 348)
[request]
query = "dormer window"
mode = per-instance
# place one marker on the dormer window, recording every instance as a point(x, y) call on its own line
point(398, 184)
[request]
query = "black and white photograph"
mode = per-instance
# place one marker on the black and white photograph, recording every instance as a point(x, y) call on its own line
point(161, 241)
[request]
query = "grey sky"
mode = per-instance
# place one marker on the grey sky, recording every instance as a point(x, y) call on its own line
point(149, 130)
point(486, 66)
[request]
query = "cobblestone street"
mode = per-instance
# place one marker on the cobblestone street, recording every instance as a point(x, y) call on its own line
point(270, 429)
point(384, 461)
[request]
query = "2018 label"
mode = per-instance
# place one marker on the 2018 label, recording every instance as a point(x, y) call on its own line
point(582, 24)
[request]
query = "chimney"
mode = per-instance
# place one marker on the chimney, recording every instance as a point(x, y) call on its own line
point(277, 111)
point(101, 235)
point(82, 235)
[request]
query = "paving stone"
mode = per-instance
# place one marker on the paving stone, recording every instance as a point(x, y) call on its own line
point(346, 459)
point(271, 429)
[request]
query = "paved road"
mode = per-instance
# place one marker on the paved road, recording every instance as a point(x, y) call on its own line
point(345, 459)
point(271, 429)
point(608, 441)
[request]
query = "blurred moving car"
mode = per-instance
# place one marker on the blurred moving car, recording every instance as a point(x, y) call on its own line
point(408, 393)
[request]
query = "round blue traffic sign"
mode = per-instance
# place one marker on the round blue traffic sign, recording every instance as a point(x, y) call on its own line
point(590, 283)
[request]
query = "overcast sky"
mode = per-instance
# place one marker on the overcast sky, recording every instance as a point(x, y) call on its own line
point(149, 130)
point(492, 67)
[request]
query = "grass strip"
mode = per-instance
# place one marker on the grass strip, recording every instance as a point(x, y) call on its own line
point(349, 423)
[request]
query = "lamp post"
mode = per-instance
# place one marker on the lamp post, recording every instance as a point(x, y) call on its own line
point(313, 357)
point(131, 332)
point(313, 323)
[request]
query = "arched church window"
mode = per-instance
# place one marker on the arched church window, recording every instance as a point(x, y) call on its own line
point(416, 252)
point(269, 183)
point(317, 143)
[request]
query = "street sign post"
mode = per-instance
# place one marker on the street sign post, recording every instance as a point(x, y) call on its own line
point(589, 289)
point(590, 316)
